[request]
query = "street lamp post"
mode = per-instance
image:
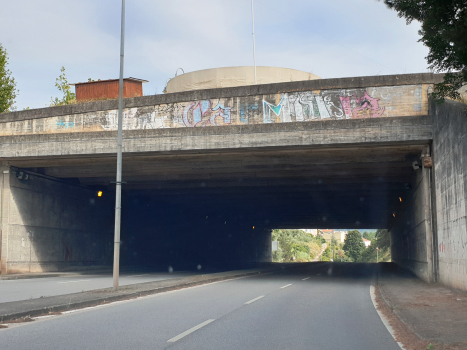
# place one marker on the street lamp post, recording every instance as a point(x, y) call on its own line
point(118, 183)
point(254, 43)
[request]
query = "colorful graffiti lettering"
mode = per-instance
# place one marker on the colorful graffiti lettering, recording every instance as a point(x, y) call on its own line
point(365, 106)
point(65, 125)
point(201, 114)
point(269, 107)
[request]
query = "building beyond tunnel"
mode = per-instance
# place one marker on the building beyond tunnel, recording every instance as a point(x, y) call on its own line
point(210, 172)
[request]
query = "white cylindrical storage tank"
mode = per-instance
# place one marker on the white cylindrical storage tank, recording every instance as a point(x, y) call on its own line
point(234, 76)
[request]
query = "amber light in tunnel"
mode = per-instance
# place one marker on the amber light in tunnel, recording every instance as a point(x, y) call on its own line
point(394, 215)
point(99, 194)
point(253, 227)
point(400, 199)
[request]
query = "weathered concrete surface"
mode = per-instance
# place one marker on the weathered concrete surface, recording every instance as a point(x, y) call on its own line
point(432, 311)
point(411, 228)
point(450, 168)
point(329, 96)
point(49, 225)
point(413, 130)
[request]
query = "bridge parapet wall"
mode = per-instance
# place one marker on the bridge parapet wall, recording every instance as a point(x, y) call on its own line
point(307, 101)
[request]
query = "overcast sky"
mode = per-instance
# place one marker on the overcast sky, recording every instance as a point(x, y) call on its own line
point(330, 38)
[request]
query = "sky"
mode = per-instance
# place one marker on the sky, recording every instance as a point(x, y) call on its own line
point(330, 38)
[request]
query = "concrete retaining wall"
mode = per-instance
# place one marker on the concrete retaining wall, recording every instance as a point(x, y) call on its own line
point(450, 178)
point(50, 226)
point(411, 230)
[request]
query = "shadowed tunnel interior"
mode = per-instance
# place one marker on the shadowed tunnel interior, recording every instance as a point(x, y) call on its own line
point(217, 209)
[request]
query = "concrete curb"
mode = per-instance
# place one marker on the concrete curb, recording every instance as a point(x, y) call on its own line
point(94, 300)
point(23, 277)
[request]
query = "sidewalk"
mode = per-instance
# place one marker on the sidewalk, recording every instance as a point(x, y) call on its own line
point(41, 306)
point(422, 313)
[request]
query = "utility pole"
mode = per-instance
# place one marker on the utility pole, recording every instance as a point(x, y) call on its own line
point(377, 250)
point(254, 44)
point(118, 183)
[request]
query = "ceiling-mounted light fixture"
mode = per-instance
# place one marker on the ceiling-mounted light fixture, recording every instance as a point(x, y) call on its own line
point(416, 165)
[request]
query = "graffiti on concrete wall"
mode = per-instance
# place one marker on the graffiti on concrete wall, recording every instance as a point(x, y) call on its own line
point(203, 113)
point(285, 107)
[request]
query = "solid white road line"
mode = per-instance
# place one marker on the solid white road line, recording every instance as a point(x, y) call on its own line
point(191, 330)
point(305, 279)
point(383, 318)
point(135, 275)
point(253, 300)
point(287, 285)
point(74, 281)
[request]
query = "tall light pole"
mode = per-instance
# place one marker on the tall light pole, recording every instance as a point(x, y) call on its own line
point(118, 183)
point(254, 43)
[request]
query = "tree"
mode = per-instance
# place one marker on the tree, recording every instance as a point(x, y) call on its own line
point(369, 235)
point(353, 245)
point(382, 241)
point(444, 32)
point(7, 84)
point(62, 85)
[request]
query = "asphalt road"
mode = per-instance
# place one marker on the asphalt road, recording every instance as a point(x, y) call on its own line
point(281, 310)
point(23, 289)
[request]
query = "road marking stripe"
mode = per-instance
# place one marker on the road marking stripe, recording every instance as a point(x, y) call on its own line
point(74, 281)
point(287, 285)
point(136, 275)
point(383, 318)
point(191, 330)
point(305, 279)
point(253, 300)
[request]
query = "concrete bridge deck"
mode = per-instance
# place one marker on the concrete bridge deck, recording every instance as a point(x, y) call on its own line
point(335, 153)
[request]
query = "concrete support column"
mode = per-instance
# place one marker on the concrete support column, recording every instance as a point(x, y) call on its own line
point(4, 216)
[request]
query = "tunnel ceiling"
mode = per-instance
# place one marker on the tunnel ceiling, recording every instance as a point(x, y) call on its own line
point(280, 187)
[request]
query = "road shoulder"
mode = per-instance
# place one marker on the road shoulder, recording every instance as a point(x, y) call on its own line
point(422, 314)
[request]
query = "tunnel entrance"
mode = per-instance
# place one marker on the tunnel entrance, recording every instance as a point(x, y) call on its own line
point(341, 245)
point(219, 209)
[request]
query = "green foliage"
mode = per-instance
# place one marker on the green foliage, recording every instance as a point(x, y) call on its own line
point(62, 85)
point(327, 254)
point(383, 242)
point(8, 91)
point(369, 235)
point(444, 32)
point(353, 245)
point(296, 243)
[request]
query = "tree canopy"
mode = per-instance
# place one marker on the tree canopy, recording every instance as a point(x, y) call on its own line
point(7, 84)
point(62, 85)
point(444, 32)
point(353, 245)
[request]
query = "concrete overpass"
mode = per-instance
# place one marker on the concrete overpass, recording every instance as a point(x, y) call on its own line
point(209, 173)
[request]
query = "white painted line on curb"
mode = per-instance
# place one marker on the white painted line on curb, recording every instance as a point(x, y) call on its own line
point(287, 285)
point(191, 330)
point(253, 300)
point(74, 281)
point(385, 321)
point(305, 279)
